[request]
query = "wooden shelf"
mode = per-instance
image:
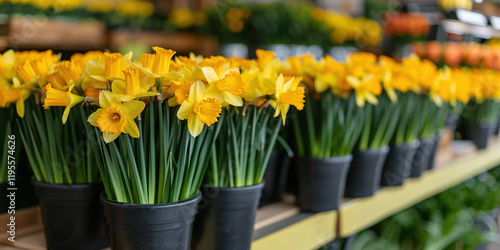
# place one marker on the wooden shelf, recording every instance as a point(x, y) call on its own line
point(358, 214)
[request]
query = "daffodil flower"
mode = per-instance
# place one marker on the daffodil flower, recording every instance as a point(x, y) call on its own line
point(115, 117)
point(366, 89)
point(136, 84)
point(60, 98)
point(199, 109)
point(14, 95)
point(108, 68)
point(226, 86)
point(287, 93)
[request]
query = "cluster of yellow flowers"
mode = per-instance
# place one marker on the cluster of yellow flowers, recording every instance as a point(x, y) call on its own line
point(366, 77)
point(121, 88)
point(128, 8)
point(344, 28)
point(184, 18)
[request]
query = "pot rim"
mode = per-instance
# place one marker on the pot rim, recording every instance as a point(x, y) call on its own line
point(244, 188)
point(381, 150)
point(37, 183)
point(340, 158)
point(194, 199)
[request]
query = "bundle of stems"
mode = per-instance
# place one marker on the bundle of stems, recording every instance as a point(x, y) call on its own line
point(7, 129)
point(482, 111)
point(413, 111)
point(330, 126)
point(380, 124)
point(58, 153)
point(244, 147)
point(165, 164)
point(435, 120)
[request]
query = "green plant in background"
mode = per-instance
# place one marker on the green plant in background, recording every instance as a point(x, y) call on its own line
point(244, 148)
point(380, 124)
point(165, 164)
point(329, 126)
point(435, 121)
point(58, 153)
point(463, 216)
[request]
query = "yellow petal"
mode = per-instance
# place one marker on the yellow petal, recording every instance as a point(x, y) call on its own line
point(195, 126)
point(20, 107)
point(106, 99)
point(360, 101)
point(118, 87)
point(185, 110)
point(95, 68)
point(353, 81)
point(210, 74)
point(197, 92)
point(132, 109)
point(93, 117)
point(371, 98)
point(110, 137)
point(233, 100)
point(131, 128)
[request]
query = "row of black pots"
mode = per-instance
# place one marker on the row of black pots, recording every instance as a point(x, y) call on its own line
point(73, 218)
point(322, 183)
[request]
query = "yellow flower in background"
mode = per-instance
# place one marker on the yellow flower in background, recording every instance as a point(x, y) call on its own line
point(132, 8)
point(287, 93)
point(182, 18)
point(26, 72)
point(7, 61)
point(69, 72)
point(60, 98)
point(116, 117)
point(199, 109)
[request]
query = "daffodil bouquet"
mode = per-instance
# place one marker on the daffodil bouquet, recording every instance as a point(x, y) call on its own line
point(58, 153)
point(484, 106)
point(333, 117)
point(253, 103)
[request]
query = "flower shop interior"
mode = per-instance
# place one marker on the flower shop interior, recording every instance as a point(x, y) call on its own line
point(249, 124)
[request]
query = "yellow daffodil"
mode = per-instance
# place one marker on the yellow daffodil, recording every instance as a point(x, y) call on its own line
point(287, 93)
point(366, 89)
point(116, 117)
point(136, 84)
point(199, 109)
point(60, 98)
point(109, 68)
point(227, 86)
point(14, 95)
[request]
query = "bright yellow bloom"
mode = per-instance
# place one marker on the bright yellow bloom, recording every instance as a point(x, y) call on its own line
point(226, 86)
point(287, 93)
point(161, 65)
point(199, 109)
point(26, 72)
point(115, 117)
point(108, 68)
point(180, 91)
point(9, 96)
point(7, 61)
point(60, 98)
point(366, 89)
point(136, 84)
point(69, 71)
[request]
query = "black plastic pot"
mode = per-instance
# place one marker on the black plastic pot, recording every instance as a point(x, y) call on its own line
point(321, 182)
point(226, 218)
point(420, 161)
point(398, 164)
point(480, 133)
point(363, 178)
point(435, 147)
point(497, 128)
point(275, 178)
point(72, 216)
point(150, 226)
point(452, 121)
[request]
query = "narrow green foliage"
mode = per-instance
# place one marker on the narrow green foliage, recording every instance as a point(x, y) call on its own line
point(58, 153)
point(328, 127)
point(243, 147)
point(380, 124)
point(413, 112)
point(485, 111)
point(165, 164)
